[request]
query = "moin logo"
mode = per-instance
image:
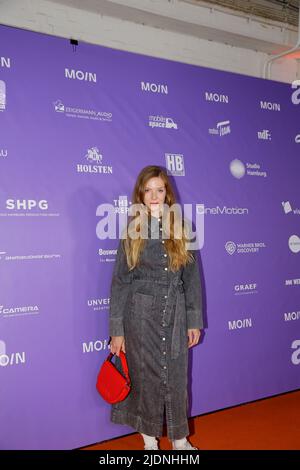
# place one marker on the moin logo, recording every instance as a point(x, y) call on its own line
point(80, 75)
point(154, 87)
point(10, 359)
point(2, 95)
point(269, 106)
point(5, 62)
point(216, 97)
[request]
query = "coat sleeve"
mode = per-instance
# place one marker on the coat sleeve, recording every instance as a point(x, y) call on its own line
point(193, 294)
point(119, 291)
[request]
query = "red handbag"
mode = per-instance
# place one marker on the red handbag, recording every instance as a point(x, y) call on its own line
point(111, 384)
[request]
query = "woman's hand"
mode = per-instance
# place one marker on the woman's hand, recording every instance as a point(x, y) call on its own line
point(194, 336)
point(117, 344)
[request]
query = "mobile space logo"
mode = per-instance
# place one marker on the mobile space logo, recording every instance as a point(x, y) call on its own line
point(223, 128)
point(238, 169)
point(94, 159)
point(161, 121)
point(175, 164)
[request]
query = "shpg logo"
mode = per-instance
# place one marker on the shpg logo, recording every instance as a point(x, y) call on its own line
point(230, 247)
point(294, 243)
point(175, 164)
point(2, 95)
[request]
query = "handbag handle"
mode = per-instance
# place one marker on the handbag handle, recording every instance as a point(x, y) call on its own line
point(124, 363)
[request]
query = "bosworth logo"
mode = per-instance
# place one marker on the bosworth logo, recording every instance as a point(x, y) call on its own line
point(161, 121)
point(244, 248)
point(93, 155)
point(238, 169)
point(81, 113)
point(223, 128)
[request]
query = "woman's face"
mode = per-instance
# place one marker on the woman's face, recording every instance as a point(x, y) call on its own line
point(154, 195)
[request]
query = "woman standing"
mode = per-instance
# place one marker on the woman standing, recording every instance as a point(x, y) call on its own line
point(155, 316)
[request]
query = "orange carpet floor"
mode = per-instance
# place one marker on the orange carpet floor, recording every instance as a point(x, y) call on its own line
point(271, 423)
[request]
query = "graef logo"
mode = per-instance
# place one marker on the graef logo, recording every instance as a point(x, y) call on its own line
point(154, 87)
point(9, 312)
point(294, 243)
point(264, 135)
point(175, 164)
point(295, 97)
point(81, 75)
point(93, 155)
point(3, 153)
point(240, 324)
point(292, 316)
point(2, 95)
point(11, 359)
point(216, 97)
point(296, 354)
point(161, 121)
point(26, 204)
point(244, 248)
point(292, 282)
point(5, 62)
point(222, 210)
point(241, 289)
point(92, 346)
point(238, 169)
point(99, 304)
point(268, 105)
point(288, 208)
point(223, 128)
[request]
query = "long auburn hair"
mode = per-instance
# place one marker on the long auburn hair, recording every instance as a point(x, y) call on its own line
point(175, 247)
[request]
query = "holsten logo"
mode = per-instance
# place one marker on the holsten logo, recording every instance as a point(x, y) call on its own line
point(241, 289)
point(82, 113)
point(238, 169)
point(223, 128)
point(216, 97)
point(264, 135)
point(93, 155)
point(81, 75)
point(175, 164)
point(288, 208)
point(10, 359)
point(161, 121)
point(244, 248)
point(294, 243)
point(140, 226)
point(154, 87)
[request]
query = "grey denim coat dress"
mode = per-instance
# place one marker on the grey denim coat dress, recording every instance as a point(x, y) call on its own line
point(152, 307)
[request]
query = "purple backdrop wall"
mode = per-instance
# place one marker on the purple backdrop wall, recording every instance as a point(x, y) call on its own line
point(76, 127)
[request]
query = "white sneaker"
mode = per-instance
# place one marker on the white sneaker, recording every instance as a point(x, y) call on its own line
point(185, 446)
point(152, 447)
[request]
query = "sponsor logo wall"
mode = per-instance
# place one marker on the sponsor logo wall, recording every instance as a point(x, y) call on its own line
point(76, 127)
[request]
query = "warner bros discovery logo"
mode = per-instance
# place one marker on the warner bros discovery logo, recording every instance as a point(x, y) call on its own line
point(110, 218)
